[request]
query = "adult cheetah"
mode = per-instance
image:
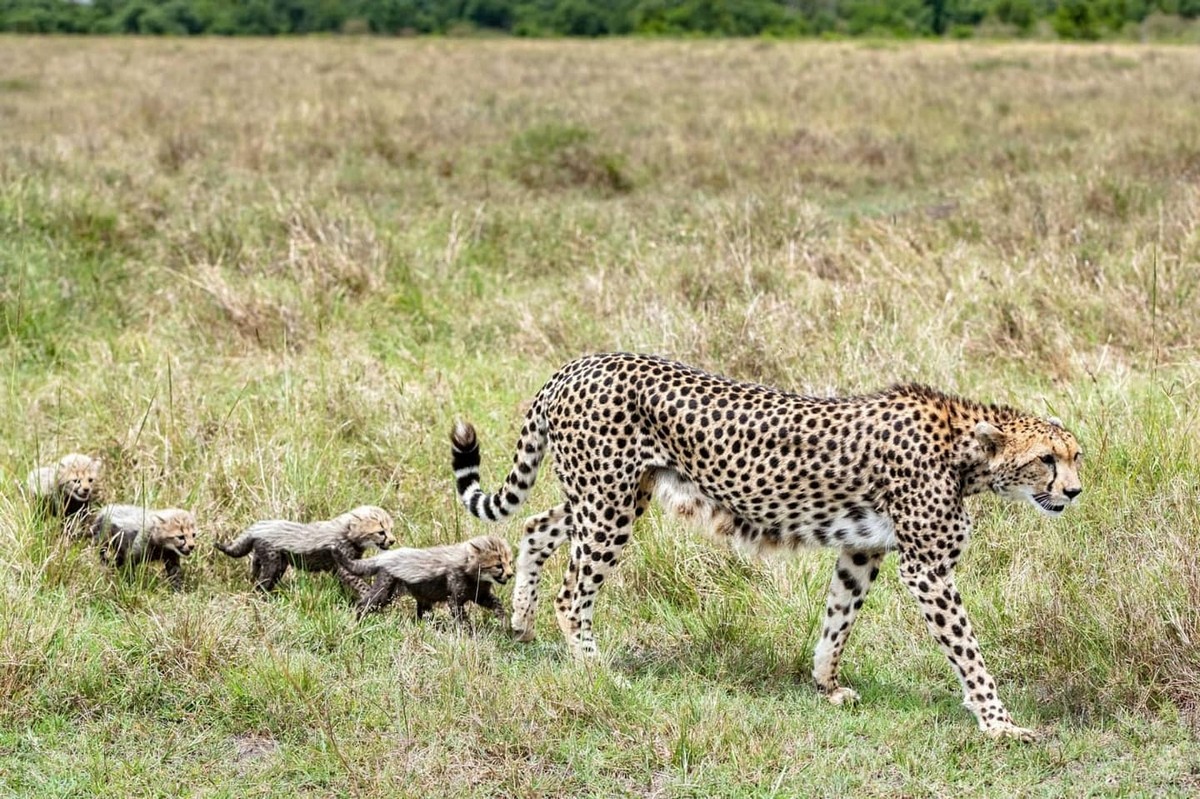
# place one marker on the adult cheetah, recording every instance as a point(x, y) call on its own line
point(765, 468)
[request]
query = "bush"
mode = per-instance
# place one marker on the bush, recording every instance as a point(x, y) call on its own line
point(557, 156)
point(1072, 19)
point(1075, 19)
point(1018, 13)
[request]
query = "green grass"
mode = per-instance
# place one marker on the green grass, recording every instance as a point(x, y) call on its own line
point(261, 279)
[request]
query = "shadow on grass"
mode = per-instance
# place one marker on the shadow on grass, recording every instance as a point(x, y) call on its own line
point(750, 671)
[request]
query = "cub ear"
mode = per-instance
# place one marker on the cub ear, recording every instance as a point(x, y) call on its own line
point(1056, 422)
point(990, 437)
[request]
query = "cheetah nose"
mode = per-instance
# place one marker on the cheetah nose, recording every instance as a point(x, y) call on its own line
point(1072, 492)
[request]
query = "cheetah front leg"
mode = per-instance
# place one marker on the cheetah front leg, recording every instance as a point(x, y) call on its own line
point(544, 533)
point(457, 589)
point(378, 595)
point(172, 570)
point(270, 565)
point(852, 578)
point(356, 585)
point(489, 601)
point(947, 620)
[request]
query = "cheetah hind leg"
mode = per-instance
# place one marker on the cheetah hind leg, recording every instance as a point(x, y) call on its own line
point(544, 534)
point(593, 557)
point(575, 604)
point(566, 595)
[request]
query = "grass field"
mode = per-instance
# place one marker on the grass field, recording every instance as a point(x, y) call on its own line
point(261, 279)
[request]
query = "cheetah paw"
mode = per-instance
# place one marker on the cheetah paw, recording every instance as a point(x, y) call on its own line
point(524, 636)
point(584, 651)
point(522, 630)
point(842, 696)
point(1004, 730)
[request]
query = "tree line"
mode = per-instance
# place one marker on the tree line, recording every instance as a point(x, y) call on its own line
point(1070, 19)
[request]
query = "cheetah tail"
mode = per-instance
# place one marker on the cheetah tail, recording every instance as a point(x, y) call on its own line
point(363, 567)
point(238, 548)
point(531, 446)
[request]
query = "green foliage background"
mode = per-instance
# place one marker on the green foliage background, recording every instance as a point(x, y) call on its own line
point(1069, 19)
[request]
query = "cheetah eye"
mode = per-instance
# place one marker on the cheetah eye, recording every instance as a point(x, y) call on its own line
point(1048, 459)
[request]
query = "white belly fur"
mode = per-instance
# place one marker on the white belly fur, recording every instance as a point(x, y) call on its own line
point(683, 498)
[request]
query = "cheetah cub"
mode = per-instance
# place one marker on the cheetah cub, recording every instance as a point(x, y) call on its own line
point(277, 544)
point(69, 486)
point(455, 573)
point(129, 534)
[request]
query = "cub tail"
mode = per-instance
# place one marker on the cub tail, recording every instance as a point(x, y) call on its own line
point(363, 567)
point(238, 548)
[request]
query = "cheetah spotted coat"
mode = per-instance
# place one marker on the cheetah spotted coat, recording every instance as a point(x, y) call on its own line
point(765, 468)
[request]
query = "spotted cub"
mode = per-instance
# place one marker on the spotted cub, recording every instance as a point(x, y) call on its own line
point(68, 487)
point(455, 573)
point(129, 534)
point(277, 544)
point(766, 469)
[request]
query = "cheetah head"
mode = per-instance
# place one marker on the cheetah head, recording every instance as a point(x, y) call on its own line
point(371, 525)
point(1033, 460)
point(78, 476)
point(490, 558)
point(174, 530)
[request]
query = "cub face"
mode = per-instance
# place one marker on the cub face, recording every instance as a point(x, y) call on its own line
point(371, 525)
point(174, 530)
point(491, 558)
point(1037, 461)
point(77, 476)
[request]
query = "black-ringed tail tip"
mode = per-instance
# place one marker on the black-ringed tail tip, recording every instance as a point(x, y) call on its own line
point(513, 492)
point(463, 437)
point(465, 461)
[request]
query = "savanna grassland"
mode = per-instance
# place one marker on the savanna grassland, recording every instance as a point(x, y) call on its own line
point(261, 279)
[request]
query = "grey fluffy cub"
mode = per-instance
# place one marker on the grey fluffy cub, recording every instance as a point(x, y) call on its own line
point(68, 487)
point(455, 573)
point(277, 544)
point(130, 534)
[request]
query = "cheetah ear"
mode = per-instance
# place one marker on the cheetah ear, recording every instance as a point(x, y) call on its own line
point(1056, 422)
point(990, 437)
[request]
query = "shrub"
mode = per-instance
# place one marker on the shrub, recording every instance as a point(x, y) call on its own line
point(558, 156)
